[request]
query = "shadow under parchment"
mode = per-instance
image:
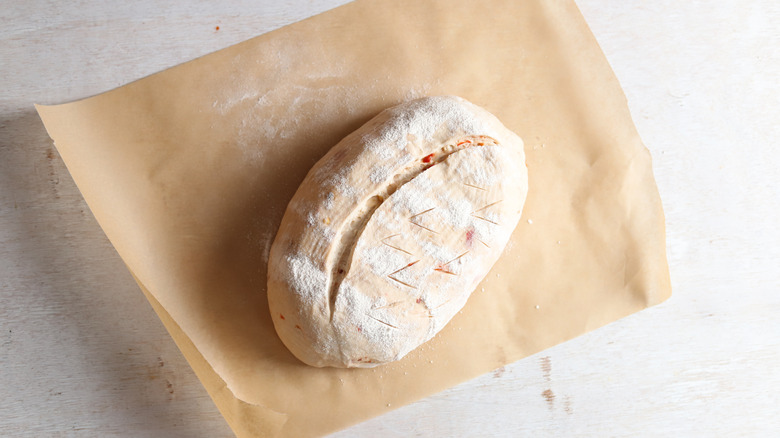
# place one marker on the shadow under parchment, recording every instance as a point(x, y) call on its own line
point(66, 293)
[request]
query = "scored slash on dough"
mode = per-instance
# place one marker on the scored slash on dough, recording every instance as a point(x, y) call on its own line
point(390, 275)
point(442, 304)
point(473, 186)
point(484, 218)
point(387, 306)
point(394, 247)
point(382, 322)
point(443, 271)
point(419, 225)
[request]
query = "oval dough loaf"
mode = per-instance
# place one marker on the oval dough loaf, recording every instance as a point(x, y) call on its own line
point(392, 230)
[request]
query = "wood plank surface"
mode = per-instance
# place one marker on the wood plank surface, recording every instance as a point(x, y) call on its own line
point(83, 354)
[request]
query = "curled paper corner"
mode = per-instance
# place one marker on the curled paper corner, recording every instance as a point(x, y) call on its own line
point(250, 420)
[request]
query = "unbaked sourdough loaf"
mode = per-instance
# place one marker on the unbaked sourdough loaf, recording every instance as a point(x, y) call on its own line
point(392, 230)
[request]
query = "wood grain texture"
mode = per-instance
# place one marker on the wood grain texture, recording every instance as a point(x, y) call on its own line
point(82, 353)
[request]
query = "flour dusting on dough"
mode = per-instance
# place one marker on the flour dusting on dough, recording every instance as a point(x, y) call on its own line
point(385, 239)
point(307, 277)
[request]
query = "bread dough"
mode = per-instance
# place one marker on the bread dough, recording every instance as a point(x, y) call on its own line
point(391, 231)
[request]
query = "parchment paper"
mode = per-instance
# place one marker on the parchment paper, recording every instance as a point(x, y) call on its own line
point(189, 171)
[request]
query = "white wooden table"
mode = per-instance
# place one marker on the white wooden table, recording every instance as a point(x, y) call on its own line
point(82, 353)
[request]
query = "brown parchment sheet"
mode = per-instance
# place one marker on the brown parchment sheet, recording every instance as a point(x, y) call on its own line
point(188, 171)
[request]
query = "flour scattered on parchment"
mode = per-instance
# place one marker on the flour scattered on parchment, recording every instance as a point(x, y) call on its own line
point(224, 106)
point(419, 91)
point(262, 114)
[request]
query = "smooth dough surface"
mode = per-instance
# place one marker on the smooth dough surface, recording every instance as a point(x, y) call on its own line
point(391, 231)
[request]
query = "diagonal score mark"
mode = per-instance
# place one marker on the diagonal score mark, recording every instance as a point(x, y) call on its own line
point(442, 304)
point(387, 306)
point(421, 213)
point(394, 247)
point(390, 275)
point(476, 187)
point(489, 205)
point(419, 225)
point(486, 219)
point(483, 208)
point(382, 322)
point(444, 271)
